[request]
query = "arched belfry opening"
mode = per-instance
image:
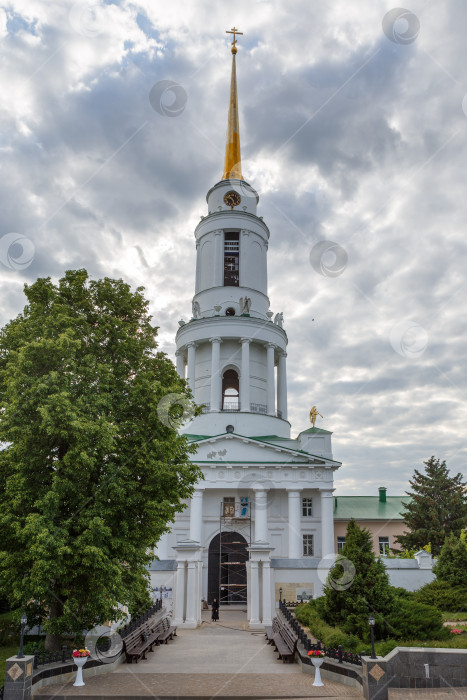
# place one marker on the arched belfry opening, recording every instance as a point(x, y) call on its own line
point(230, 390)
point(227, 574)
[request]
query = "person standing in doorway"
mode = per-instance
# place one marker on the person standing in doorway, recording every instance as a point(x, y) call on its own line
point(215, 610)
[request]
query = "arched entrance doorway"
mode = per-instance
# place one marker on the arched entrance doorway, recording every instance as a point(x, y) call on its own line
point(227, 576)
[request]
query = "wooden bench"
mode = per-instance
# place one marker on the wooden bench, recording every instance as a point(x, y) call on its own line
point(146, 637)
point(285, 641)
point(137, 643)
point(166, 631)
point(271, 631)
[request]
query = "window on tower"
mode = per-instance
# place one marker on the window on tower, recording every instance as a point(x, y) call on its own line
point(230, 393)
point(231, 259)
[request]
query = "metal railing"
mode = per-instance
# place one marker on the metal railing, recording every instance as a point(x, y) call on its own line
point(333, 653)
point(42, 658)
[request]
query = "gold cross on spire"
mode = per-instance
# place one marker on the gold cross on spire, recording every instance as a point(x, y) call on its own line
point(234, 31)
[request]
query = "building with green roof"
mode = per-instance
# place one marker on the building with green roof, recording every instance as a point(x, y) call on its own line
point(381, 515)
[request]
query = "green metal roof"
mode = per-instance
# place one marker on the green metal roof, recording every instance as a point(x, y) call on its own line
point(272, 437)
point(316, 431)
point(368, 507)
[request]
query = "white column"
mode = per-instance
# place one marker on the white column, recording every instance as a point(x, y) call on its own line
point(215, 373)
point(218, 261)
point(180, 594)
point(295, 534)
point(191, 366)
point(261, 515)
point(162, 548)
point(180, 364)
point(282, 385)
point(254, 588)
point(327, 523)
point(245, 375)
point(270, 379)
point(196, 516)
point(191, 595)
point(267, 611)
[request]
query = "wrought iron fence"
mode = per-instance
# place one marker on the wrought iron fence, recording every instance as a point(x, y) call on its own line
point(42, 658)
point(333, 653)
point(138, 621)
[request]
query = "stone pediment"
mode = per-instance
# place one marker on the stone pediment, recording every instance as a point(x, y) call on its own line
point(231, 449)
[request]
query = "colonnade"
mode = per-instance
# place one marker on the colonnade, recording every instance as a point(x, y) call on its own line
point(274, 395)
point(294, 526)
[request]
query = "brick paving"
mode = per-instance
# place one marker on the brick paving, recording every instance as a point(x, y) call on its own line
point(219, 660)
point(427, 694)
point(201, 685)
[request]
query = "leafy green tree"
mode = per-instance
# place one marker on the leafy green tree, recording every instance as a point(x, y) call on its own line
point(357, 585)
point(451, 566)
point(438, 507)
point(92, 469)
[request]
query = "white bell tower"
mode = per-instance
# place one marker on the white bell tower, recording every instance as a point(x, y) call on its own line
point(233, 351)
point(261, 519)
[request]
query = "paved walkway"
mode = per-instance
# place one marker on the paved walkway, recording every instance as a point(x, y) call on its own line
point(220, 660)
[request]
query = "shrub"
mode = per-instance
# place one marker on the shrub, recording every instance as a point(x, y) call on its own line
point(403, 593)
point(308, 615)
point(451, 566)
point(9, 631)
point(443, 596)
point(411, 619)
point(387, 646)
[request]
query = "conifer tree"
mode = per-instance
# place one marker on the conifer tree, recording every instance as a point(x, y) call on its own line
point(437, 507)
point(357, 585)
point(91, 470)
point(451, 566)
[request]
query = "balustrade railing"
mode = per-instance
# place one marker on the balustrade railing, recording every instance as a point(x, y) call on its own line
point(235, 407)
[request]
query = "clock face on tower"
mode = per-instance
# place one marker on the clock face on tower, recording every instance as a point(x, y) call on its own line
point(232, 199)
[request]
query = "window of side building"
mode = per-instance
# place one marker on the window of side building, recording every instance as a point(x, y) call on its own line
point(384, 545)
point(340, 544)
point(307, 507)
point(307, 545)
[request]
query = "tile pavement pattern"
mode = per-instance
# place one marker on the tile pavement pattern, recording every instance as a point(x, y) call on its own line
point(219, 660)
point(201, 685)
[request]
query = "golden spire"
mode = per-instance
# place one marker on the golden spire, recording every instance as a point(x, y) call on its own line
point(233, 165)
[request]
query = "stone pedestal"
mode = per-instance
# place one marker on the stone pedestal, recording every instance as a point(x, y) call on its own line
point(18, 678)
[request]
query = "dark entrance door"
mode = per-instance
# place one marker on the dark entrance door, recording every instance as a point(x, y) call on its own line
point(227, 578)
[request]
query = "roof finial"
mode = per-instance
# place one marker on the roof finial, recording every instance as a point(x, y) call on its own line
point(233, 166)
point(234, 31)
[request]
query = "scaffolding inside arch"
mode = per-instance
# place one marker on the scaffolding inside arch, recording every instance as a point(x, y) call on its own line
point(235, 537)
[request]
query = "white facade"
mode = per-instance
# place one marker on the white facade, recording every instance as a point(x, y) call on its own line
point(233, 355)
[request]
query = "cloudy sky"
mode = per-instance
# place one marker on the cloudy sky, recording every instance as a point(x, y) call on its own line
point(353, 122)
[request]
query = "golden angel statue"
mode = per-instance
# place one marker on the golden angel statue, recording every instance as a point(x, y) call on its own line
point(314, 413)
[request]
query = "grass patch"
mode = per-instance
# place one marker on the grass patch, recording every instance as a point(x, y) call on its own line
point(455, 617)
point(8, 616)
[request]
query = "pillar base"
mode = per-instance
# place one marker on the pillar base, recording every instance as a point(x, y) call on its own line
point(255, 625)
point(187, 625)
